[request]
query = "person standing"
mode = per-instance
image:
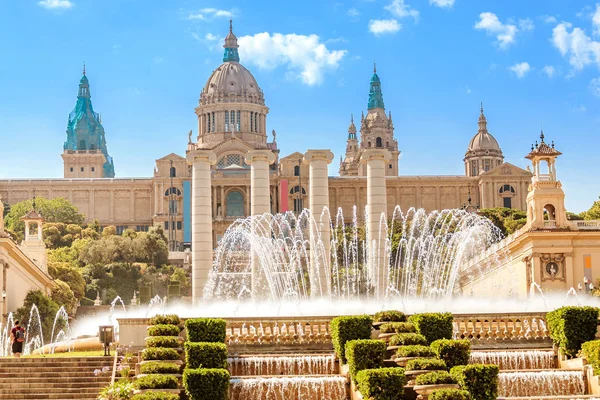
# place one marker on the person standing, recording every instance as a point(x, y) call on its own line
point(17, 335)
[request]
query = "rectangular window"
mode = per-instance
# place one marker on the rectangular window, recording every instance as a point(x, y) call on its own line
point(71, 169)
point(226, 121)
point(173, 206)
point(298, 205)
point(81, 169)
point(212, 128)
point(232, 119)
point(507, 202)
point(166, 225)
point(237, 127)
point(486, 164)
point(93, 169)
point(251, 121)
point(178, 225)
point(390, 166)
point(474, 168)
point(207, 116)
point(256, 117)
point(121, 229)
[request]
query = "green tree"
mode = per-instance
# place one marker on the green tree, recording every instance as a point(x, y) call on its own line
point(69, 275)
point(508, 220)
point(46, 307)
point(63, 296)
point(593, 212)
point(54, 210)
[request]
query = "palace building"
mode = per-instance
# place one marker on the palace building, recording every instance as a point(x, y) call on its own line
point(232, 120)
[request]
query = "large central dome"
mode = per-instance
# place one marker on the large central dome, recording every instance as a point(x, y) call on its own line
point(231, 82)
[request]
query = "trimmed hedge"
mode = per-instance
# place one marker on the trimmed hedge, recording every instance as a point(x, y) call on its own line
point(205, 355)
point(415, 351)
point(425, 364)
point(450, 394)
point(160, 353)
point(163, 330)
point(435, 378)
point(364, 354)
point(206, 330)
point(206, 383)
point(433, 326)
point(165, 319)
point(156, 381)
point(163, 341)
point(453, 352)
point(407, 339)
point(389, 316)
point(591, 351)
point(156, 396)
point(381, 383)
point(346, 328)
point(480, 380)
point(572, 326)
point(159, 367)
point(398, 327)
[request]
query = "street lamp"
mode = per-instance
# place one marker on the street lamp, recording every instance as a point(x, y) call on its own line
point(106, 336)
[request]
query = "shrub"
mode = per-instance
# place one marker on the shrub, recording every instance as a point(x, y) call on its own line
point(162, 341)
point(381, 383)
point(206, 383)
point(591, 351)
point(156, 396)
point(156, 381)
point(348, 328)
point(572, 326)
point(453, 352)
point(206, 330)
point(429, 364)
point(163, 330)
point(415, 351)
point(160, 353)
point(389, 316)
point(480, 380)
point(433, 326)
point(205, 355)
point(435, 378)
point(364, 354)
point(398, 327)
point(407, 339)
point(120, 390)
point(166, 319)
point(159, 367)
point(449, 394)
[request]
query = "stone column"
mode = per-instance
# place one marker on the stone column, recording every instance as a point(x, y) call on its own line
point(202, 245)
point(320, 272)
point(259, 161)
point(376, 160)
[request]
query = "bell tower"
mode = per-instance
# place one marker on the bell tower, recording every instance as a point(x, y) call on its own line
point(546, 199)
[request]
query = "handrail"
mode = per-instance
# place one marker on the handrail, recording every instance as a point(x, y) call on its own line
point(114, 369)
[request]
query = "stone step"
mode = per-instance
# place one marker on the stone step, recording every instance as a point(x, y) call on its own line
point(46, 374)
point(50, 369)
point(62, 379)
point(54, 359)
point(23, 390)
point(53, 384)
point(54, 396)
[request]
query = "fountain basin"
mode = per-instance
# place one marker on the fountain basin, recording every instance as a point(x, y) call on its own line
point(531, 383)
point(77, 344)
point(255, 365)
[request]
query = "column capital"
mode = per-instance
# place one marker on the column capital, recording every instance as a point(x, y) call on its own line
point(260, 155)
point(313, 155)
point(376, 154)
point(201, 155)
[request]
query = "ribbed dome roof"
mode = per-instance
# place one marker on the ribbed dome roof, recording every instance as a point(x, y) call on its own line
point(483, 140)
point(232, 78)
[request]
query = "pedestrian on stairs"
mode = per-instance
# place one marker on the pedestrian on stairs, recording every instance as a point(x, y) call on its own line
point(17, 335)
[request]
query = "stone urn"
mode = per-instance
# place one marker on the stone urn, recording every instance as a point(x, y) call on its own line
point(412, 375)
point(402, 361)
point(423, 391)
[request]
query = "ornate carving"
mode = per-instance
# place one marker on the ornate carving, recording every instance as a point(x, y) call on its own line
point(506, 170)
point(528, 271)
point(552, 267)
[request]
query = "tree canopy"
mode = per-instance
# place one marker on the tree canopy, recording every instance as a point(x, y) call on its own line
point(508, 220)
point(593, 212)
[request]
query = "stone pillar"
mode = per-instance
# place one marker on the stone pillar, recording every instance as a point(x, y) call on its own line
point(376, 160)
point(202, 245)
point(320, 272)
point(259, 161)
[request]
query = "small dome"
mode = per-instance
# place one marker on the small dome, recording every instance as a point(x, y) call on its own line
point(483, 141)
point(84, 80)
point(232, 78)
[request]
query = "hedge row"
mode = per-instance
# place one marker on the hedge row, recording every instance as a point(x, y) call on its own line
point(364, 354)
point(389, 316)
point(156, 381)
point(381, 383)
point(397, 327)
point(205, 355)
point(344, 329)
point(425, 364)
point(433, 326)
point(435, 378)
point(450, 394)
point(163, 341)
point(453, 352)
point(210, 330)
point(163, 330)
point(572, 326)
point(159, 367)
point(155, 396)
point(167, 319)
point(407, 339)
point(415, 351)
point(206, 383)
point(480, 380)
point(159, 353)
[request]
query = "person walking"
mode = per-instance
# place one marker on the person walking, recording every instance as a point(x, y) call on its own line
point(17, 335)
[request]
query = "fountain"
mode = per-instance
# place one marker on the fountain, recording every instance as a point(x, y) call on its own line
point(282, 388)
point(541, 383)
point(516, 360)
point(283, 365)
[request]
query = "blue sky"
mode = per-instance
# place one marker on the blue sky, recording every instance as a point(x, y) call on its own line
point(530, 62)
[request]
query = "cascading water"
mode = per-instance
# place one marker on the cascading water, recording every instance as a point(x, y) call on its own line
point(513, 360)
point(283, 388)
point(34, 336)
point(540, 383)
point(283, 365)
point(424, 253)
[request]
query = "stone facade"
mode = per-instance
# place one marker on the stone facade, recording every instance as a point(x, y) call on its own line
point(232, 121)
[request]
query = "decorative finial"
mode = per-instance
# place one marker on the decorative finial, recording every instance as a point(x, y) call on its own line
point(231, 26)
point(374, 67)
point(553, 144)
point(542, 136)
point(482, 107)
point(84, 69)
point(532, 147)
point(536, 144)
point(351, 117)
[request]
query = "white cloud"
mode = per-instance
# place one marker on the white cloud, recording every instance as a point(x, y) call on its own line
point(401, 10)
point(55, 4)
point(468, 90)
point(442, 3)
point(595, 86)
point(596, 20)
point(549, 19)
point(382, 26)
point(353, 13)
point(526, 24)
point(549, 70)
point(520, 69)
point(210, 37)
point(576, 45)
point(306, 57)
point(505, 33)
point(210, 13)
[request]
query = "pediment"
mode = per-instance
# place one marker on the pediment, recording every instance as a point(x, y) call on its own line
point(507, 169)
point(231, 145)
point(293, 157)
point(172, 156)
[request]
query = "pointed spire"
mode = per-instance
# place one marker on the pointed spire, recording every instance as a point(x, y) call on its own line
point(84, 68)
point(542, 136)
point(374, 67)
point(375, 95)
point(482, 120)
point(231, 46)
point(230, 26)
point(352, 129)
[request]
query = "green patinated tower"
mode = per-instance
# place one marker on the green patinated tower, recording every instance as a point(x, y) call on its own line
point(85, 153)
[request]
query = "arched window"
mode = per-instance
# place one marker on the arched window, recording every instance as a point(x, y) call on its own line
point(378, 142)
point(234, 204)
point(507, 192)
point(81, 145)
point(232, 159)
point(297, 170)
point(172, 172)
point(173, 190)
point(297, 194)
point(507, 189)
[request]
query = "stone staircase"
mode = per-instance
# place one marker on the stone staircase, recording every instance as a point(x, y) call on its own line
point(65, 378)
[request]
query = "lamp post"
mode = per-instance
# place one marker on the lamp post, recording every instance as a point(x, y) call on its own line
point(106, 336)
